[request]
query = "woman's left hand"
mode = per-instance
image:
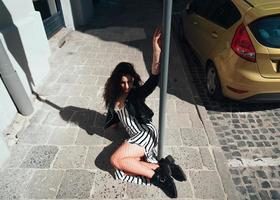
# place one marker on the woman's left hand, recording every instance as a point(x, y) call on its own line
point(156, 51)
point(157, 41)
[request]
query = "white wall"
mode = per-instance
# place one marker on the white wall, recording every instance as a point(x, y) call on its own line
point(67, 14)
point(25, 40)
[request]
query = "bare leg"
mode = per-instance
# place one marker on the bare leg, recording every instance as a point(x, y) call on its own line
point(152, 166)
point(127, 158)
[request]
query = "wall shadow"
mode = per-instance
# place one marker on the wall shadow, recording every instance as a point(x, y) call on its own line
point(14, 43)
point(113, 17)
point(92, 122)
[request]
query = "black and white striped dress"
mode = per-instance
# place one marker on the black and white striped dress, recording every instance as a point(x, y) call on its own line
point(144, 135)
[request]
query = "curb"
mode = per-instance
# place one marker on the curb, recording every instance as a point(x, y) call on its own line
point(219, 158)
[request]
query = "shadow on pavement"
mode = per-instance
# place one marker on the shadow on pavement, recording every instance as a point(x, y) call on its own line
point(92, 122)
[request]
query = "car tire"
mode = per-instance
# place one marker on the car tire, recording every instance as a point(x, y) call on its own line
point(213, 83)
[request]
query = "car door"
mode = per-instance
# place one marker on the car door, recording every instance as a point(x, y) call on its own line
point(192, 19)
point(210, 25)
point(221, 16)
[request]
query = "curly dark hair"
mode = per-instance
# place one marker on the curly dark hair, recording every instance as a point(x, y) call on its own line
point(112, 90)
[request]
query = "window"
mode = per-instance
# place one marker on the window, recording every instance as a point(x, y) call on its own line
point(224, 13)
point(43, 7)
point(201, 7)
point(267, 31)
point(47, 8)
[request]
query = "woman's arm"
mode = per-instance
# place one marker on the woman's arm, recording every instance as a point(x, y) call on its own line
point(155, 68)
point(116, 125)
point(112, 118)
point(149, 86)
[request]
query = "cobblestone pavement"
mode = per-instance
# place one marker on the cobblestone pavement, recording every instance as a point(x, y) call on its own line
point(249, 135)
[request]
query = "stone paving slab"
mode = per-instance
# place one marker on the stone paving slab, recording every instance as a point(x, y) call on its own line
point(13, 182)
point(207, 158)
point(44, 184)
point(35, 134)
point(90, 136)
point(185, 189)
point(143, 192)
point(76, 160)
point(39, 157)
point(187, 157)
point(76, 184)
point(173, 137)
point(63, 136)
point(194, 137)
point(92, 156)
point(207, 184)
point(39, 116)
point(105, 188)
point(54, 119)
point(18, 153)
point(182, 120)
point(224, 173)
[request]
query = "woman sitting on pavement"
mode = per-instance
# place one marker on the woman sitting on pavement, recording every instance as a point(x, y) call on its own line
point(136, 159)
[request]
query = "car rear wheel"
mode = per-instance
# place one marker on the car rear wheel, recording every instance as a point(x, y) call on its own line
point(213, 83)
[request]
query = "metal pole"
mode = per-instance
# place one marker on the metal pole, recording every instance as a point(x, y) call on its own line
point(13, 84)
point(167, 11)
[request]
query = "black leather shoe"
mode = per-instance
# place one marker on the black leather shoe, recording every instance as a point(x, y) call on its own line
point(164, 182)
point(176, 171)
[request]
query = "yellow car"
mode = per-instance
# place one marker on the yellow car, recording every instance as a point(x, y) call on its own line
point(238, 41)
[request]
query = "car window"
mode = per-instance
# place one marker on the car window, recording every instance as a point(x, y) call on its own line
point(201, 7)
point(224, 13)
point(267, 31)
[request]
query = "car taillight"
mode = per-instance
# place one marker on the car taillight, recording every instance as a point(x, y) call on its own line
point(242, 44)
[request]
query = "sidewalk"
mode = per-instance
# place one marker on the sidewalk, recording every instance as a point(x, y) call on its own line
point(62, 152)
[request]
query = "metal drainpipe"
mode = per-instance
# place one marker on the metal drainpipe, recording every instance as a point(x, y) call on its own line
point(167, 11)
point(13, 84)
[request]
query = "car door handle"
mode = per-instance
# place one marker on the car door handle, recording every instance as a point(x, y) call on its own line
point(195, 23)
point(214, 34)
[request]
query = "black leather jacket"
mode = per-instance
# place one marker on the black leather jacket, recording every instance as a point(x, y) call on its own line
point(135, 103)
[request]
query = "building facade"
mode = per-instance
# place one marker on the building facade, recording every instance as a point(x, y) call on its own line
point(25, 27)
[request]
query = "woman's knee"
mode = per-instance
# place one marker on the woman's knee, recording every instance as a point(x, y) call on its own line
point(117, 161)
point(114, 160)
